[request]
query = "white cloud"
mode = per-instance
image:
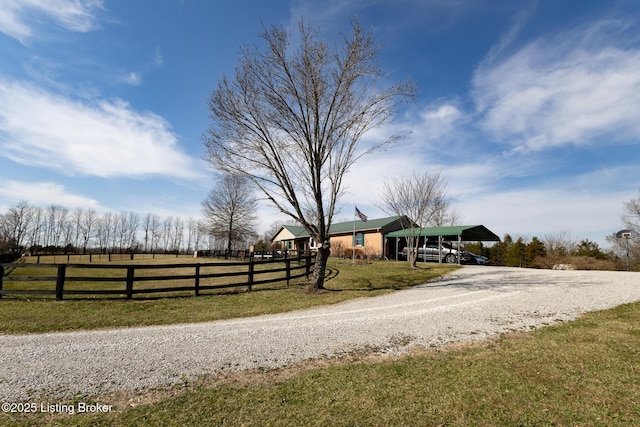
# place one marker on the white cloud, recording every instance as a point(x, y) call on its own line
point(588, 205)
point(43, 194)
point(539, 212)
point(17, 16)
point(568, 89)
point(438, 121)
point(157, 58)
point(102, 138)
point(132, 78)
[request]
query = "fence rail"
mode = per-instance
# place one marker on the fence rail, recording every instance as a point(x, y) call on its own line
point(92, 256)
point(131, 276)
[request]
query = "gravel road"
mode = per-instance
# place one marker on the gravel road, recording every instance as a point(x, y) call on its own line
point(472, 303)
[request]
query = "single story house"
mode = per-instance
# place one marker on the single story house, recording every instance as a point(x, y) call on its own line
point(368, 237)
point(378, 238)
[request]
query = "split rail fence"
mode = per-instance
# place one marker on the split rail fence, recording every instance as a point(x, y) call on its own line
point(128, 279)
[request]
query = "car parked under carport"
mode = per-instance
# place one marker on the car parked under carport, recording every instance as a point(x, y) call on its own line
point(396, 241)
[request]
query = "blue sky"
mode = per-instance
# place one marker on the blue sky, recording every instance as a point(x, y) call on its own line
point(531, 110)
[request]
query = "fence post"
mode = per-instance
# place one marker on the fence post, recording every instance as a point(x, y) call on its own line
point(1, 278)
point(287, 263)
point(197, 280)
point(130, 271)
point(62, 269)
point(250, 278)
point(308, 264)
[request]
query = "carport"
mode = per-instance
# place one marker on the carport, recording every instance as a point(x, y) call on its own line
point(397, 240)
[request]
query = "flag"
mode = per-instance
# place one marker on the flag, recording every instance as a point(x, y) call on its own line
point(361, 215)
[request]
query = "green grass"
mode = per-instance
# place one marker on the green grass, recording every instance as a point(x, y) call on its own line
point(582, 373)
point(346, 281)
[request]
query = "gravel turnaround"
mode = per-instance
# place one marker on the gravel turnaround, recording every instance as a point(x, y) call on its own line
point(472, 303)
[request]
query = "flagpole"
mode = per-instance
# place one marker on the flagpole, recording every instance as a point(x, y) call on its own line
point(353, 241)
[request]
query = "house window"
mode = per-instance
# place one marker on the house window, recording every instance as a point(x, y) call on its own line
point(359, 239)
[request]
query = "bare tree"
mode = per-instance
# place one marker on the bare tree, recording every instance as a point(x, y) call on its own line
point(629, 248)
point(177, 234)
point(155, 232)
point(104, 228)
point(146, 228)
point(56, 219)
point(448, 216)
point(421, 197)
point(15, 224)
point(631, 215)
point(195, 231)
point(35, 234)
point(131, 224)
point(87, 227)
point(68, 231)
point(292, 120)
point(230, 209)
point(559, 245)
point(76, 220)
point(166, 232)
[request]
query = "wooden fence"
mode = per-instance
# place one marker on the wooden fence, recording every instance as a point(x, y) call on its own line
point(284, 269)
point(123, 256)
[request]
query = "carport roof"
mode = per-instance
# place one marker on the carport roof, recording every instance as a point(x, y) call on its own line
point(467, 233)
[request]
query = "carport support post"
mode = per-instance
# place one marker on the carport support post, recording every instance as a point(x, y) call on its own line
point(459, 248)
point(397, 248)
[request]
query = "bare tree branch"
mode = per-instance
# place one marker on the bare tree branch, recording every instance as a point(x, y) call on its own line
point(292, 119)
point(422, 198)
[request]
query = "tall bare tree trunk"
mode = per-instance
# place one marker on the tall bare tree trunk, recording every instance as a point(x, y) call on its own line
point(319, 272)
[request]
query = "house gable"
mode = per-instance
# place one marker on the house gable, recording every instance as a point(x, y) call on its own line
point(289, 232)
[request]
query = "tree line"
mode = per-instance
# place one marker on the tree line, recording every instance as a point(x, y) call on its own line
point(549, 251)
point(561, 248)
point(32, 229)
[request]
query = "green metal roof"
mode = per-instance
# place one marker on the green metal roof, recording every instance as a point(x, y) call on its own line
point(359, 225)
point(467, 233)
point(296, 230)
point(347, 227)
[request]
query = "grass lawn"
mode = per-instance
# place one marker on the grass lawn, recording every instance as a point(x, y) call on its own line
point(581, 373)
point(346, 281)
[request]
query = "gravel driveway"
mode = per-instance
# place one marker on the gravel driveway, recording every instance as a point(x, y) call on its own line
point(470, 304)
